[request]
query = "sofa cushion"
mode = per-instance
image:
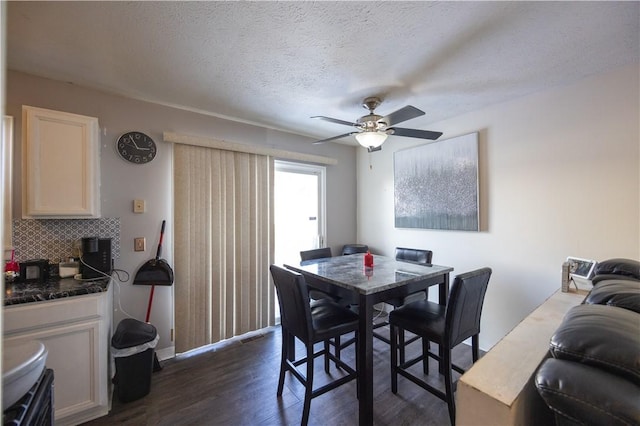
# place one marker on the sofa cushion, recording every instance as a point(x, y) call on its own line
point(625, 267)
point(607, 277)
point(602, 336)
point(587, 395)
point(616, 292)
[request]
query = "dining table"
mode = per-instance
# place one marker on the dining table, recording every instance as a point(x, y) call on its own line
point(347, 278)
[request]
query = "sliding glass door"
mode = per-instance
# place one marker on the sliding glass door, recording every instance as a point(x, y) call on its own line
point(299, 192)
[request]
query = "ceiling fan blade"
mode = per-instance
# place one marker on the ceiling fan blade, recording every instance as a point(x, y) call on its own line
point(335, 120)
point(333, 138)
point(414, 133)
point(403, 114)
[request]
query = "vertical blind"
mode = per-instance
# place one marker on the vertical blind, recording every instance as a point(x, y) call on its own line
point(223, 216)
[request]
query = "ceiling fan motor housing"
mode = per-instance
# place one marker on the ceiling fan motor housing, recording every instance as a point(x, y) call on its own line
point(372, 123)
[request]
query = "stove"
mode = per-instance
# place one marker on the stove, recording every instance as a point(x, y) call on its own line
point(35, 407)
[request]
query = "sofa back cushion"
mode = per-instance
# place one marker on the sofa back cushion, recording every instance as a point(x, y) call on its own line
point(616, 292)
point(583, 395)
point(624, 267)
point(602, 336)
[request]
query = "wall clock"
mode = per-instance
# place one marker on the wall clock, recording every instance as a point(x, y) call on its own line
point(136, 148)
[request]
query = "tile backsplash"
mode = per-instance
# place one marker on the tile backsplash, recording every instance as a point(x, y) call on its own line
point(54, 239)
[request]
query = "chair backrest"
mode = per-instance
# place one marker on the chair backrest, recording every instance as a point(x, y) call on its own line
point(354, 248)
point(293, 297)
point(315, 253)
point(464, 306)
point(414, 255)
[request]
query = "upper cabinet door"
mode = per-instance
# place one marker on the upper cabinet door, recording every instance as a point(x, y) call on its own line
point(60, 164)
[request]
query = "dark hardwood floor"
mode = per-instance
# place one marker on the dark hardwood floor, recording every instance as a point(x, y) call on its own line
point(234, 383)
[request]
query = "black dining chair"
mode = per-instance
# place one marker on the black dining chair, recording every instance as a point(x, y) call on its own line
point(406, 255)
point(317, 295)
point(354, 248)
point(448, 326)
point(414, 255)
point(310, 256)
point(319, 253)
point(310, 324)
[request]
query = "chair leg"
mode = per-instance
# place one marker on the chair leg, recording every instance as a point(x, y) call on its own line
point(337, 352)
point(394, 358)
point(326, 356)
point(425, 354)
point(475, 347)
point(357, 349)
point(308, 387)
point(283, 361)
point(448, 384)
point(401, 345)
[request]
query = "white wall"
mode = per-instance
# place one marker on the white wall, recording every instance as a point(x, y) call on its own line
point(559, 176)
point(123, 182)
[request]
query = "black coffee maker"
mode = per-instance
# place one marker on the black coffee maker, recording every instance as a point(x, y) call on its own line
point(96, 260)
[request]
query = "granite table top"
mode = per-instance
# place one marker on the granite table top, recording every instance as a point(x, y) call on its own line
point(20, 292)
point(349, 272)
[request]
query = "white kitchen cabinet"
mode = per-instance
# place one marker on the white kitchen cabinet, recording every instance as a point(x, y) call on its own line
point(7, 166)
point(76, 332)
point(60, 164)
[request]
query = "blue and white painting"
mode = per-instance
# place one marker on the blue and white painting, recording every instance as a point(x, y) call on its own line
point(436, 185)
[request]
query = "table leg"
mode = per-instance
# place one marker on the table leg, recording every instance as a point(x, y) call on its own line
point(443, 295)
point(443, 290)
point(365, 361)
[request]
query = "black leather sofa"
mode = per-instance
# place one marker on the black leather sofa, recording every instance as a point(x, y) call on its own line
point(593, 374)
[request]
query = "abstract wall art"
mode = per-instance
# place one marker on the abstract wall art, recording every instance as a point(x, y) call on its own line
point(436, 185)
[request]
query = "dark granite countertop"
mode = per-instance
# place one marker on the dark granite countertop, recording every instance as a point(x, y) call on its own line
point(18, 292)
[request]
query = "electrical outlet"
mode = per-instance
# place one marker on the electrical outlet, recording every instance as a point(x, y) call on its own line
point(139, 244)
point(138, 206)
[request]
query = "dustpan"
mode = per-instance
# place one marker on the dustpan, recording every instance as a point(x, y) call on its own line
point(154, 272)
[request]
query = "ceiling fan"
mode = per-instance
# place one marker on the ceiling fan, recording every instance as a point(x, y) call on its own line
point(372, 129)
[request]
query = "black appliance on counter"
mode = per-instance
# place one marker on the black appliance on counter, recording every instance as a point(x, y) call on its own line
point(35, 408)
point(96, 260)
point(34, 270)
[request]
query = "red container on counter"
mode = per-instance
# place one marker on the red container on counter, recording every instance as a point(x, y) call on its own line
point(368, 260)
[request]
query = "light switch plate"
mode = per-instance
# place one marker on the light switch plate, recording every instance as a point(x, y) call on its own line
point(139, 244)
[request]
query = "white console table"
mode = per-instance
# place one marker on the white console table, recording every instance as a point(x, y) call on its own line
point(499, 389)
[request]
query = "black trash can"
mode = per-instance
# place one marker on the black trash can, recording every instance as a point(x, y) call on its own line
point(133, 348)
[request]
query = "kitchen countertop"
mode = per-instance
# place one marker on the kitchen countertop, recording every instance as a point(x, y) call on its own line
point(18, 292)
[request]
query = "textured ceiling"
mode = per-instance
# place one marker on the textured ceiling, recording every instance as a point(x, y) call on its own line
point(275, 64)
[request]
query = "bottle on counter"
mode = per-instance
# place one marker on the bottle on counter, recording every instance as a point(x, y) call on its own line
point(368, 260)
point(11, 269)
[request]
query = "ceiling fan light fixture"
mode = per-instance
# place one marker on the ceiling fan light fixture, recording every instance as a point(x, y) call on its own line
point(371, 139)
